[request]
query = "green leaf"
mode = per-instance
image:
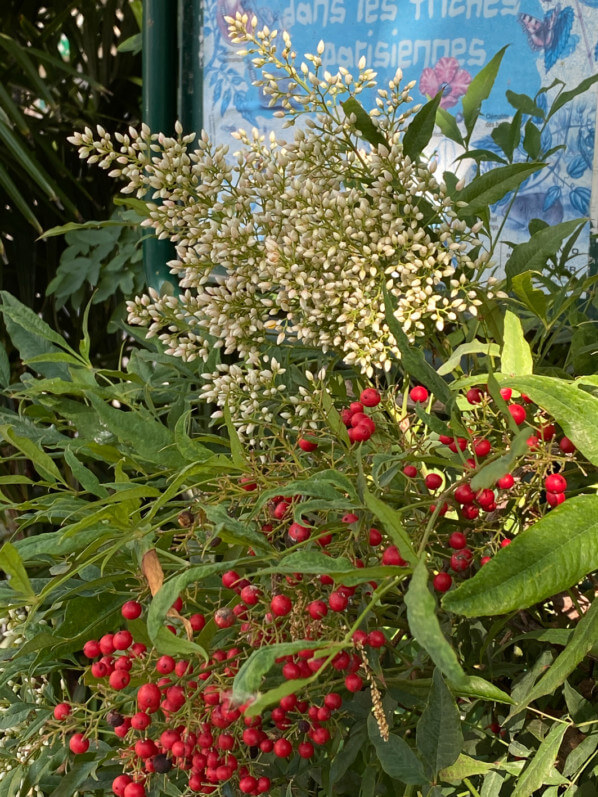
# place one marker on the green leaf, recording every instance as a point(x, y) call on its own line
point(473, 347)
point(566, 96)
point(488, 474)
point(548, 557)
point(508, 135)
point(479, 90)
point(533, 254)
point(43, 463)
point(448, 125)
point(234, 531)
point(191, 450)
point(412, 358)
point(391, 520)
point(465, 767)
point(236, 448)
point(532, 140)
point(249, 678)
point(516, 356)
point(173, 587)
point(396, 758)
point(525, 104)
point(573, 408)
point(166, 642)
point(583, 638)
point(72, 226)
point(533, 298)
point(86, 478)
point(488, 188)
point(312, 562)
point(439, 737)
point(364, 123)
point(537, 771)
point(351, 747)
point(18, 199)
point(21, 314)
point(23, 156)
point(477, 687)
point(420, 130)
point(12, 564)
point(4, 367)
point(425, 627)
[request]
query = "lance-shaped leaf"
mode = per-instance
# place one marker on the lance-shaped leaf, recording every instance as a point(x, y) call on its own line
point(396, 758)
point(516, 356)
point(550, 556)
point(439, 737)
point(573, 408)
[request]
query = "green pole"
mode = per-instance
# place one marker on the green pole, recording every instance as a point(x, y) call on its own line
point(159, 63)
point(191, 65)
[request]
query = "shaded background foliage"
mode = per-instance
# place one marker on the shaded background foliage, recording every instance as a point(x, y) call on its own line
point(60, 70)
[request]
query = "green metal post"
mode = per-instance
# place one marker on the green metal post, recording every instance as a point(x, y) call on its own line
point(191, 65)
point(159, 108)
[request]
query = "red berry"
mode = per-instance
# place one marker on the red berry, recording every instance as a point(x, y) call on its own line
point(360, 433)
point(119, 679)
point(418, 394)
point(482, 448)
point(145, 748)
point(320, 735)
point(505, 542)
point(135, 790)
point(197, 622)
point(433, 481)
point(410, 471)
point(442, 582)
point(548, 432)
point(566, 446)
point(246, 483)
point(484, 560)
point(263, 785)
point(178, 604)
point(165, 665)
point(374, 537)
point(505, 482)
point(459, 443)
point(248, 784)
point(461, 560)
point(518, 413)
point(283, 748)
point(554, 499)
point(131, 610)
point(306, 445)
point(333, 700)
point(464, 494)
point(391, 556)
point(107, 644)
point(99, 669)
point(506, 393)
point(555, 483)
point(119, 784)
point(305, 749)
point(370, 397)
point(148, 697)
point(230, 579)
point(474, 395)
point(225, 617)
point(353, 682)
point(91, 649)
point(376, 639)
point(61, 711)
point(470, 512)
point(337, 601)
point(299, 533)
point(140, 721)
point(532, 442)
point(485, 498)
point(78, 744)
point(122, 640)
point(355, 407)
point(281, 605)
point(281, 509)
point(457, 540)
point(317, 610)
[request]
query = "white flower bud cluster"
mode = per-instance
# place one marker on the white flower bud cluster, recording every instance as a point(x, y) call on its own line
point(295, 241)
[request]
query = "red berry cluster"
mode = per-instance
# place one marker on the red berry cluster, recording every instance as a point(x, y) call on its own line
point(360, 427)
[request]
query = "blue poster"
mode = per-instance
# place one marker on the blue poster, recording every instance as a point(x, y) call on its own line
point(440, 44)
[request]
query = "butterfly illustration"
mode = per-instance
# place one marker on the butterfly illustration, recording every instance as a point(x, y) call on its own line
point(551, 34)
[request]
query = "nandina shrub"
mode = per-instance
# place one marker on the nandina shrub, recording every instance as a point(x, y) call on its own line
point(305, 603)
